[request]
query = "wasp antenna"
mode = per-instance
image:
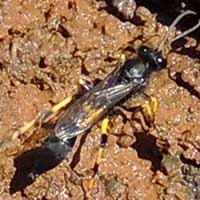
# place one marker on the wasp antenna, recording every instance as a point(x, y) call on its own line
point(174, 23)
point(187, 31)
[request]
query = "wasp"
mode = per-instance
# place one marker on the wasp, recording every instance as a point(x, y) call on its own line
point(130, 77)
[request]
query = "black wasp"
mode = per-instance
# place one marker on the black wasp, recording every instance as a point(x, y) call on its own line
point(128, 78)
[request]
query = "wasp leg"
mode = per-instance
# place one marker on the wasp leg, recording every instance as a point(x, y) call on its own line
point(41, 118)
point(150, 109)
point(118, 56)
point(121, 57)
point(86, 83)
point(104, 136)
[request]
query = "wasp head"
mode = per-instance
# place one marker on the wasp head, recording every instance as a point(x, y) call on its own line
point(154, 58)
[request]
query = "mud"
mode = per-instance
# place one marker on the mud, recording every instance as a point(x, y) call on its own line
point(46, 46)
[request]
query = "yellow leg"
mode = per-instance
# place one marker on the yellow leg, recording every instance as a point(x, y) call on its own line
point(122, 58)
point(103, 142)
point(38, 120)
point(149, 110)
point(43, 116)
point(104, 133)
point(86, 83)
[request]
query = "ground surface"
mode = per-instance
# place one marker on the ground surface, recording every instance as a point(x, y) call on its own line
point(46, 46)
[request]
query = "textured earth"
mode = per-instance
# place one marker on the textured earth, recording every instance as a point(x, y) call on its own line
point(47, 46)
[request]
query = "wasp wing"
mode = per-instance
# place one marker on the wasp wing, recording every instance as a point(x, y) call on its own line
point(89, 108)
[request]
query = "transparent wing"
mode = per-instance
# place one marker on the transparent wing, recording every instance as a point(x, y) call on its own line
point(89, 108)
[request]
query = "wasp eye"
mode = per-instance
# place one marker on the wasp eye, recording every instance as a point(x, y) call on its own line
point(143, 50)
point(161, 62)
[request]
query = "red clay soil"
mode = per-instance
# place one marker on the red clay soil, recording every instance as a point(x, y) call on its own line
point(47, 46)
